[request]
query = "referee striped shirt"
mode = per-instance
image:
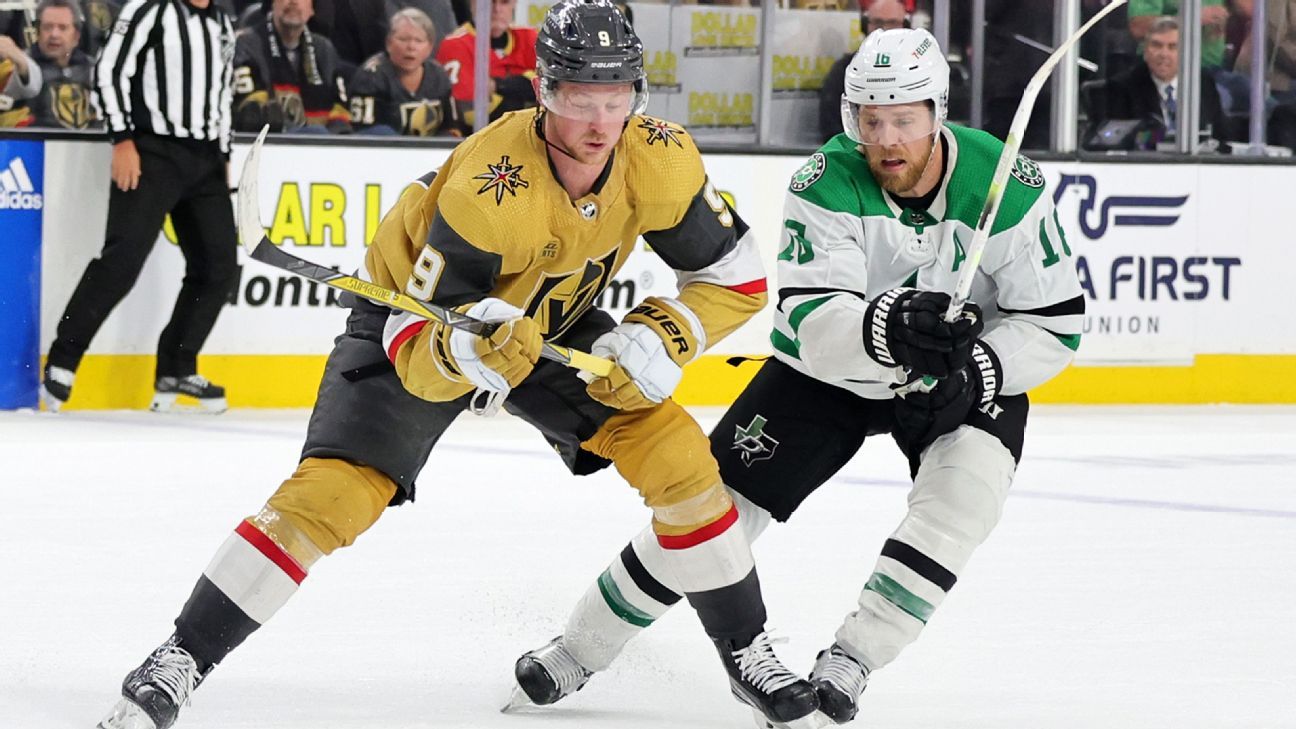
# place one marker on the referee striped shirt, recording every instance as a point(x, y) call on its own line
point(167, 69)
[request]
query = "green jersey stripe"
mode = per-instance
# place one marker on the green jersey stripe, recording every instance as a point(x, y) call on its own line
point(1070, 341)
point(785, 345)
point(897, 595)
point(801, 311)
point(619, 605)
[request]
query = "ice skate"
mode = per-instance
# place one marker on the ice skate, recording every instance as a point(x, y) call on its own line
point(56, 387)
point(168, 390)
point(546, 675)
point(779, 698)
point(153, 693)
point(839, 680)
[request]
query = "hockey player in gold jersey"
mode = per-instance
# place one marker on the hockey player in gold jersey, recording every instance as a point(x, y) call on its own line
point(523, 226)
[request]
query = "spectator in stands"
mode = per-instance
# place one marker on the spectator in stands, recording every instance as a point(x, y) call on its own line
point(14, 25)
point(402, 90)
point(438, 11)
point(1148, 92)
point(20, 79)
point(1279, 69)
point(97, 18)
point(512, 63)
point(64, 96)
point(874, 15)
point(1214, 18)
point(358, 28)
point(288, 77)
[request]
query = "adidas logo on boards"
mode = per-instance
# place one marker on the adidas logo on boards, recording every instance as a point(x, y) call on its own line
point(16, 189)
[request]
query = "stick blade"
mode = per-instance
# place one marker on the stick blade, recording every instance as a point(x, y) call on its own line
point(249, 208)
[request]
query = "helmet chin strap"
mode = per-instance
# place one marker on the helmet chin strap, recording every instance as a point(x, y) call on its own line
point(544, 138)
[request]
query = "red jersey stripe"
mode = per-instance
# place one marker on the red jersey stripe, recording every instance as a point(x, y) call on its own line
point(265, 545)
point(402, 337)
point(698, 536)
point(751, 287)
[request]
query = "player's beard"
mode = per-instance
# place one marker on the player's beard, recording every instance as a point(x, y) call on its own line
point(906, 178)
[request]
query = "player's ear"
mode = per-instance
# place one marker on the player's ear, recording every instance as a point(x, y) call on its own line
point(535, 87)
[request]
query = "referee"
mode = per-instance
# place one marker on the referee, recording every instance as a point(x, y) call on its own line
point(163, 87)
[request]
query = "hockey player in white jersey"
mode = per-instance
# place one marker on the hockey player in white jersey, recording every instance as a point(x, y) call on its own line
point(875, 227)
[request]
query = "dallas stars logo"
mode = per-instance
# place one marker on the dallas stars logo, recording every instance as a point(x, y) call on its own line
point(503, 178)
point(753, 442)
point(661, 131)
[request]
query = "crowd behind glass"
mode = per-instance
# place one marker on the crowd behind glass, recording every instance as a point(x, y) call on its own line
point(404, 66)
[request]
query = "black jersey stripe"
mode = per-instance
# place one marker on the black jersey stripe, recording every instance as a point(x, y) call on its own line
point(789, 292)
point(160, 41)
point(207, 119)
point(1070, 307)
point(161, 104)
point(644, 580)
point(925, 566)
point(186, 69)
point(699, 239)
point(115, 59)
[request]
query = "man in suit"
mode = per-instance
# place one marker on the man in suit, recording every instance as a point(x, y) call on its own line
point(1149, 90)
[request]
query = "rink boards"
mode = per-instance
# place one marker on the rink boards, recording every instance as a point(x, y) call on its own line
point(1181, 265)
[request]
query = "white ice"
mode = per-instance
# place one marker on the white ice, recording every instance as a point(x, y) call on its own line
point(1144, 575)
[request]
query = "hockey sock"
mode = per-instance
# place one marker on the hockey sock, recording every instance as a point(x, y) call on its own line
point(713, 565)
point(248, 580)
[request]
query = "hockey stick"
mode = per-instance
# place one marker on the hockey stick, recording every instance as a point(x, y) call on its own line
point(260, 248)
point(1007, 158)
point(1012, 144)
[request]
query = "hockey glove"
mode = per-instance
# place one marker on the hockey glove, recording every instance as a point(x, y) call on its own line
point(906, 327)
point(650, 348)
point(924, 416)
point(500, 362)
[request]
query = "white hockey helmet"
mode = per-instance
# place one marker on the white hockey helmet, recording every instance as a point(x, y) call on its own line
point(897, 66)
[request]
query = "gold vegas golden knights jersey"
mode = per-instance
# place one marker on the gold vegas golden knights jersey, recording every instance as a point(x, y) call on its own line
point(494, 221)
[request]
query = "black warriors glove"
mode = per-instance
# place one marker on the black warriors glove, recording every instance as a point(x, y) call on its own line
point(922, 417)
point(906, 327)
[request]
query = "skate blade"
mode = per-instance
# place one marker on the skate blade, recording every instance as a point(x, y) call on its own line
point(172, 403)
point(126, 715)
point(517, 700)
point(814, 720)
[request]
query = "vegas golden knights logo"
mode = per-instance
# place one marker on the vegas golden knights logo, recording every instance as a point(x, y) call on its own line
point(99, 16)
point(560, 299)
point(421, 118)
point(70, 104)
point(294, 109)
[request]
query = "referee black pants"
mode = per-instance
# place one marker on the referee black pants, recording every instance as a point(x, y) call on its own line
point(187, 179)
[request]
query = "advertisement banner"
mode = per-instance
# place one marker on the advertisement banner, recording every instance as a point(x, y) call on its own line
point(806, 44)
point(718, 50)
point(1175, 261)
point(22, 198)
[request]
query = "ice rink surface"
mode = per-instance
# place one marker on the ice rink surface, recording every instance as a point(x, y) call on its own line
point(1144, 575)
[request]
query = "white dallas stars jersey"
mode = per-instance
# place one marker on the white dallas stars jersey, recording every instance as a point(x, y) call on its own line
point(845, 241)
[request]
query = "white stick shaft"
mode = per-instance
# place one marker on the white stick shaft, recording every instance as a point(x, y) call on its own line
point(1006, 161)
